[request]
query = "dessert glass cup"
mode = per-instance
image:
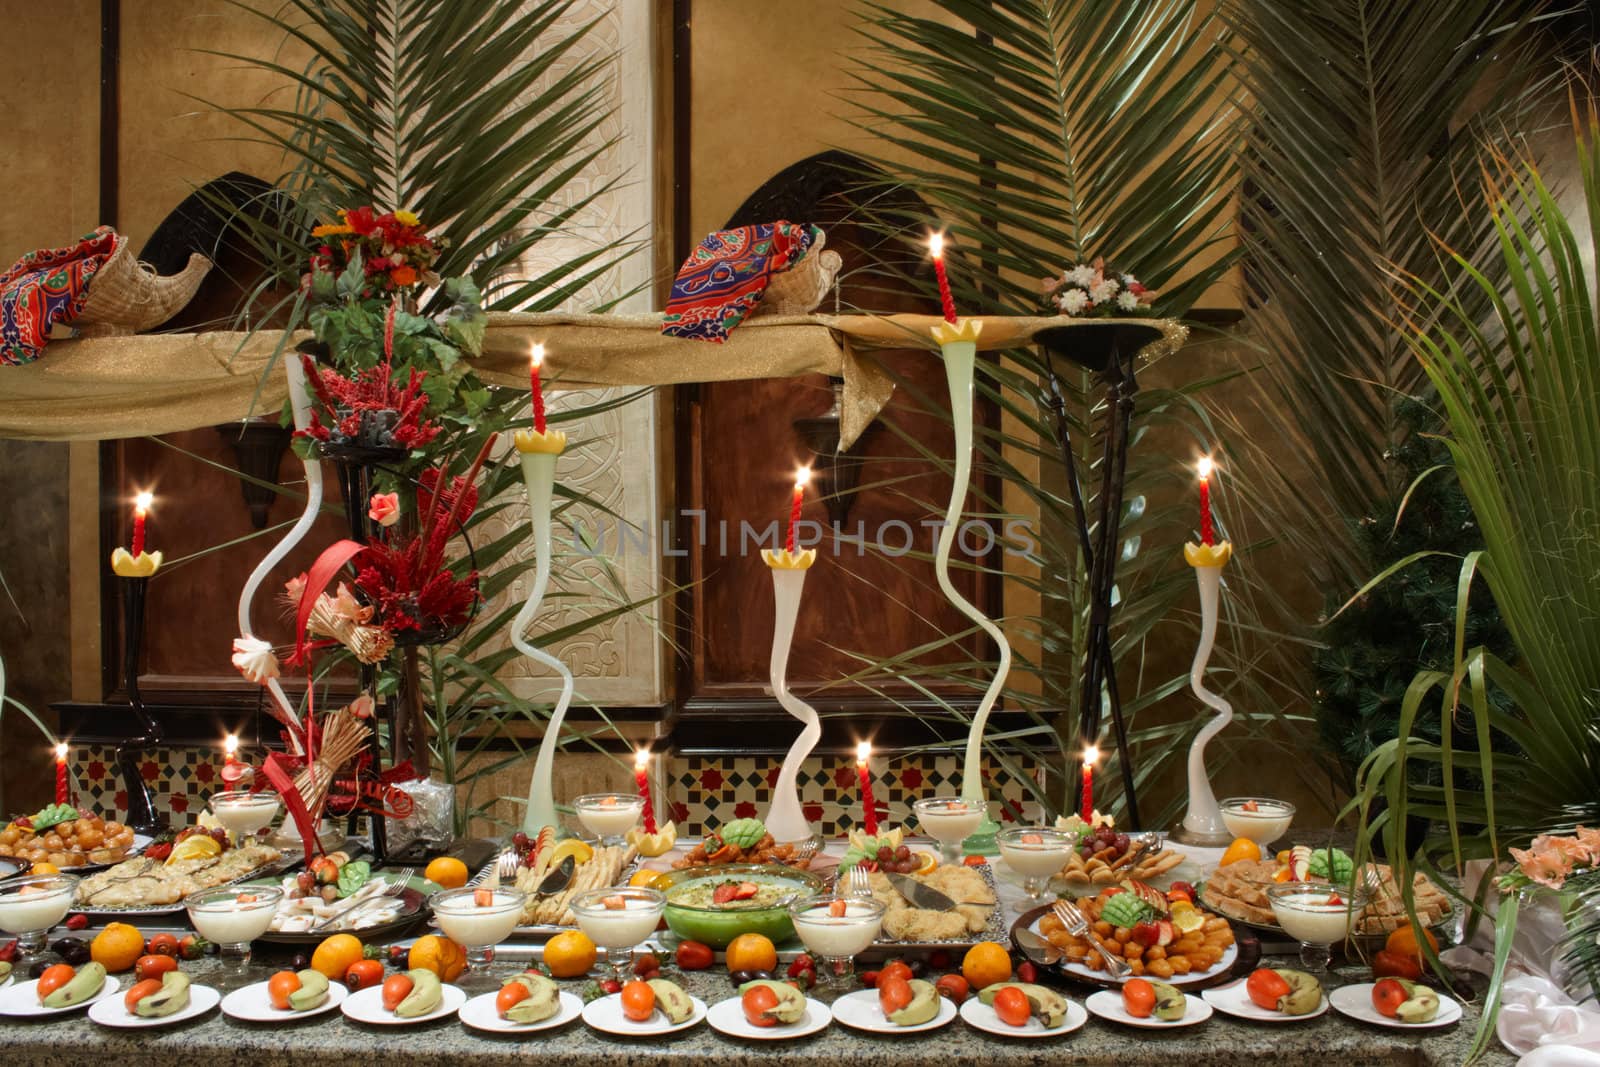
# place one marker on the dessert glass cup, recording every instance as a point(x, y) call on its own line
point(31, 904)
point(1307, 913)
point(609, 815)
point(478, 927)
point(242, 812)
point(617, 919)
point(837, 940)
point(949, 821)
point(1036, 853)
point(232, 917)
point(1268, 823)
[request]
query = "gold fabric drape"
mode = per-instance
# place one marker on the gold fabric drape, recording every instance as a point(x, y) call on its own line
point(102, 388)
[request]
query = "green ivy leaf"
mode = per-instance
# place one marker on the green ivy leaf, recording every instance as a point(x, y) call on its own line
point(354, 278)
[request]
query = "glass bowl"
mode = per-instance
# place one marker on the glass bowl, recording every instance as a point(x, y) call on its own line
point(718, 924)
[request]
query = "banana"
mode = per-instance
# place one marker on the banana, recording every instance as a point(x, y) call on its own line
point(83, 985)
point(1170, 1002)
point(312, 992)
point(1420, 1006)
point(172, 997)
point(923, 1007)
point(5, 971)
point(426, 993)
point(677, 1007)
point(1305, 993)
point(543, 999)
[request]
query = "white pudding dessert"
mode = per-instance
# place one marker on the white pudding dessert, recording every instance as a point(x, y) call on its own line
point(32, 908)
point(609, 815)
point(480, 917)
point(1317, 918)
point(1035, 859)
point(1261, 820)
point(623, 926)
point(244, 814)
point(948, 819)
point(234, 920)
point(838, 936)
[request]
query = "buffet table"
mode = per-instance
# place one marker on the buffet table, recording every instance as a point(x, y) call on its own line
point(1331, 1038)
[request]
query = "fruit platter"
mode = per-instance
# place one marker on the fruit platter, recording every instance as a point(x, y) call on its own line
point(69, 840)
point(1160, 936)
point(1238, 889)
point(1106, 856)
point(743, 841)
point(337, 894)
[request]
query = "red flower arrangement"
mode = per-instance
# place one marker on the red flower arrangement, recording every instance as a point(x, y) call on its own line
point(396, 251)
point(370, 408)
point(406, 580)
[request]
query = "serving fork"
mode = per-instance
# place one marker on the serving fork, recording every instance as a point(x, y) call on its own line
point(859, 884)
point(1077, 926)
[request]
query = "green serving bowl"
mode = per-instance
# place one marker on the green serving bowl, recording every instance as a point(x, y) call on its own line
point(718, 924)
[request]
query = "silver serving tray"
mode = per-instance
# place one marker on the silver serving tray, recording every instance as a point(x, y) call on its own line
point(997, 930)
point(277, 867)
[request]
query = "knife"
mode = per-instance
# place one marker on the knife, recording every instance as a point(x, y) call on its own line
point(918, 894)
point(558, 879)
point(1035, 947)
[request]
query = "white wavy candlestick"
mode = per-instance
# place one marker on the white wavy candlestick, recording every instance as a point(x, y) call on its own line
point(1204, 817)
point(539, 473)
point(960, 355)
point(300, 404)
point(786, 820)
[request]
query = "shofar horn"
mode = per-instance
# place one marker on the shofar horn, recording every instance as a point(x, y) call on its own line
point(126, 296)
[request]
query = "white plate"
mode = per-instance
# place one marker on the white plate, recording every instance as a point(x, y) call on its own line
point(1233, 1000)
point(861, 1011)
point(480, 1014)
point(19, 998)
point(1356, 1002)
point(366, 1006)
point(1179, 981)
point(112, 1012)
point(606, 1016)
point(977, 1014)
point(1107, 1004)
point(728, 1016)
point(252, 1004)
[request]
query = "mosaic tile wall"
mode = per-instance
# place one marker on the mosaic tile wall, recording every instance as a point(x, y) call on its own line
point(703, 792)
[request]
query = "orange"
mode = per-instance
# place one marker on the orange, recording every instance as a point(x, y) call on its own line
point(1404, 942)
point(569, 955)
point(751, 952)
point(438, 954)
point(985, 964)
point(335, 955)
point(646, 877)
point(1242, 849)
point(446, 872)
point(44, 868)
point(117, 947)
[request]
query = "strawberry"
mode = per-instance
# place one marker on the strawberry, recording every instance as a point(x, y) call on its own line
point(77, 921)
point(1145, 933)
point(1027, 972)
point(723, 893)
point(745, 890)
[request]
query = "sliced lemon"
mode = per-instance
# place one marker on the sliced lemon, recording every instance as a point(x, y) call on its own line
point(647, 878)
point(198, 847)
point(578, 850)
point(1186, 917)
point(927, 862)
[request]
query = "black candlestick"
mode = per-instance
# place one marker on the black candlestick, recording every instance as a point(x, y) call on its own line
point(142, 817)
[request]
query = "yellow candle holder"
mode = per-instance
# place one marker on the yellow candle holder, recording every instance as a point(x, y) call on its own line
point(784, 560)
point(1208, 555)
point(125, 564)
point(532, 442)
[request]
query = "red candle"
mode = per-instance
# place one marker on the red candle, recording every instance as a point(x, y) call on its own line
point(62, 792)
point(800, 481)
point(946, 301)
point(641, 775)
point(1091, 756)
point(868, 803)
point(1207, 534)
point(141, 508)
point(231, 771)
point(538, 388)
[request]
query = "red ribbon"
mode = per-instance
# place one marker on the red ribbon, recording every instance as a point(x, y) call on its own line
point(332, 560)
point(277, 772)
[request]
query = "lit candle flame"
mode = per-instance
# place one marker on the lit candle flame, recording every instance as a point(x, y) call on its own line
point(863, 751)
point(230, 744)
point(936, 245)
point(537, 355)
point(801, 477)
point(1091, 755)
point(1204, 466)
point(61, 750)
point(641, 759)
point(143, 500)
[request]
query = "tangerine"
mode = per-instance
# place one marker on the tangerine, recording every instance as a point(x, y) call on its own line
point(751, 952)
point(647, 878)
point(1242, 849)
point(446, 872)
point(985, 964)
point(440, 955)
point(569, 955)
point(117, 947)
point(1403, 941)
point(335, 954)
